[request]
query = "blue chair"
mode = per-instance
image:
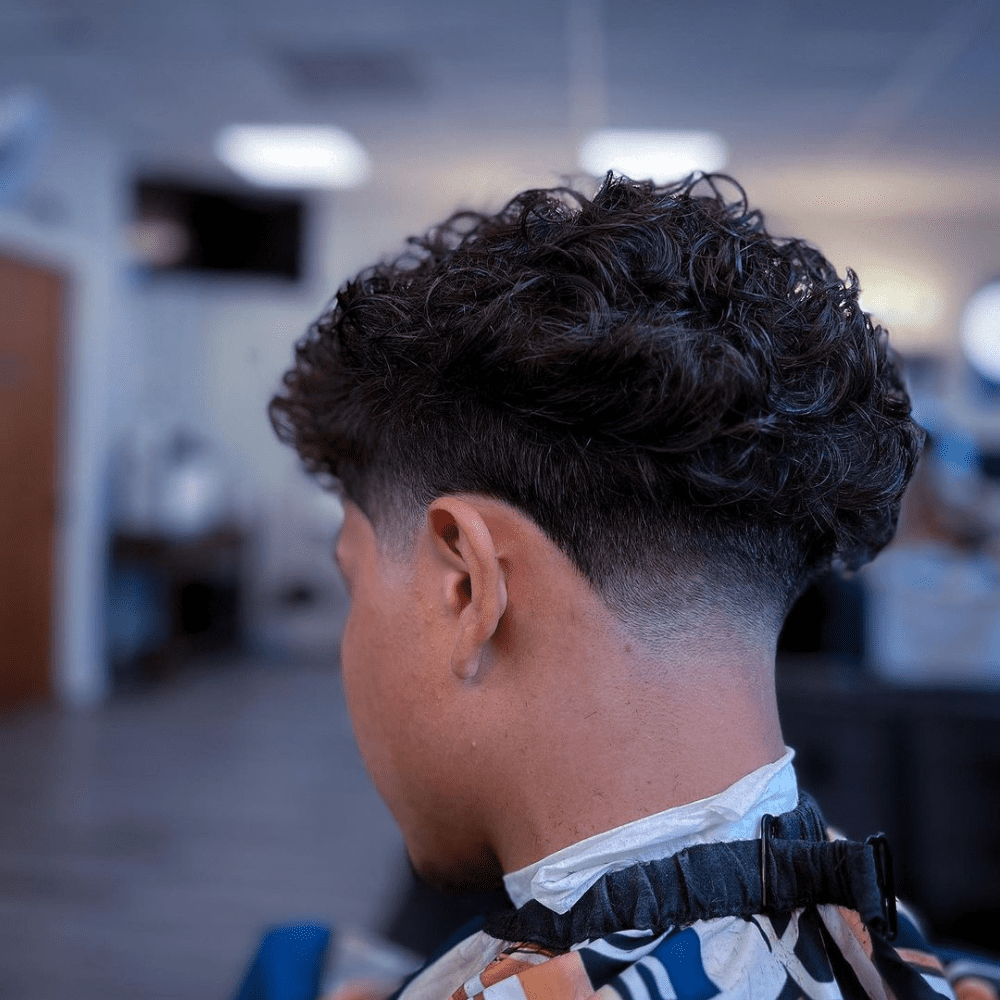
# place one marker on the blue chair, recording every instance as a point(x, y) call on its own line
point(288, 964)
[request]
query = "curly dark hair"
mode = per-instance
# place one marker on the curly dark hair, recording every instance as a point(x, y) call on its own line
point(700, 415)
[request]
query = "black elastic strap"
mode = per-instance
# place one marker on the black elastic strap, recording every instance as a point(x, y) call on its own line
point(796, 867)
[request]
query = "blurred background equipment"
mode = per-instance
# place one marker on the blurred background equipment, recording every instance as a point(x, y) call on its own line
point(172, 739)
point(177, 556)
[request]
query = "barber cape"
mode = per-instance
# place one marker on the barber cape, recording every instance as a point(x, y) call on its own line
point(741, 895)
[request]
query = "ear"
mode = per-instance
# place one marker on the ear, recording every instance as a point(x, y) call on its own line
point(475, 586)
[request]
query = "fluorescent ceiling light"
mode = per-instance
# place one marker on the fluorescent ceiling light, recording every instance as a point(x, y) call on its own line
point(294, 156)
point(656, 156)
point(981, 331)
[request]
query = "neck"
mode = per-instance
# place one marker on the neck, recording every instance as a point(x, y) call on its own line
point(611, 734)
point(577, 728)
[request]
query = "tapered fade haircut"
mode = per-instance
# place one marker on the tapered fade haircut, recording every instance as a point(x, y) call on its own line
point(698, 414)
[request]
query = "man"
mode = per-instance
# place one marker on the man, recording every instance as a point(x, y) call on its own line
point(590, 450)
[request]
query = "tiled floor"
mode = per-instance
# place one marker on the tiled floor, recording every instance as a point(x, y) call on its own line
point(145, 845)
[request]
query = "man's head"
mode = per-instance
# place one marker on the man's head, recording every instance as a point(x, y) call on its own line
point(699, 415)
point(591, 449)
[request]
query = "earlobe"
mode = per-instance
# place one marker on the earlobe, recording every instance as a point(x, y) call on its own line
point(474, 579)
point(464, 666)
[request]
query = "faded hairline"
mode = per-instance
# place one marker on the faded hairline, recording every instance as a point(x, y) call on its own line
point(657, 609)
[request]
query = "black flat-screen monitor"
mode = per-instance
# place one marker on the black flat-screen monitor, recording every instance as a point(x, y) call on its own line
point(183, 226)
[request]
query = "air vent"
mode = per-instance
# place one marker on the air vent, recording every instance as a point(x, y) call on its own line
point(323, 73)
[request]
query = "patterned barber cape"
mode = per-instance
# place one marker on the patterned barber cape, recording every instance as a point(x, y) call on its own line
point(817, 951)
point(821, 952)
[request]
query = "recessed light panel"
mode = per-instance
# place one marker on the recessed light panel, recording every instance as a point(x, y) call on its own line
point(658, 156)
point(294, 156)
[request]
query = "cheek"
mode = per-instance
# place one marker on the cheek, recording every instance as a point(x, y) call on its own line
point(391, 704)
point(360, 658)
point(412, 748)
point(380, 667)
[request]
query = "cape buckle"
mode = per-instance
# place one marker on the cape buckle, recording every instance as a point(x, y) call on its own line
point(767, 830)
point(886, 884)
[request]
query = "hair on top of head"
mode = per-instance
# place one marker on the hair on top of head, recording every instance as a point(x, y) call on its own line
point(700, 415)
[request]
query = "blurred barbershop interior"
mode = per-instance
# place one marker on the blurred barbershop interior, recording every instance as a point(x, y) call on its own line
point(183, 186)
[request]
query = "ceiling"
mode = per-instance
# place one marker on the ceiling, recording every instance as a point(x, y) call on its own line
point(870, 117)
point(850, 80)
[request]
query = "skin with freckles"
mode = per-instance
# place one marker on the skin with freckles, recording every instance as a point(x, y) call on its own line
point(503, 711)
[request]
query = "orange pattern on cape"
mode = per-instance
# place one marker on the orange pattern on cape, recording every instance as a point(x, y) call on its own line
point(974, 988)
point(921, 959)
point(555, 977)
